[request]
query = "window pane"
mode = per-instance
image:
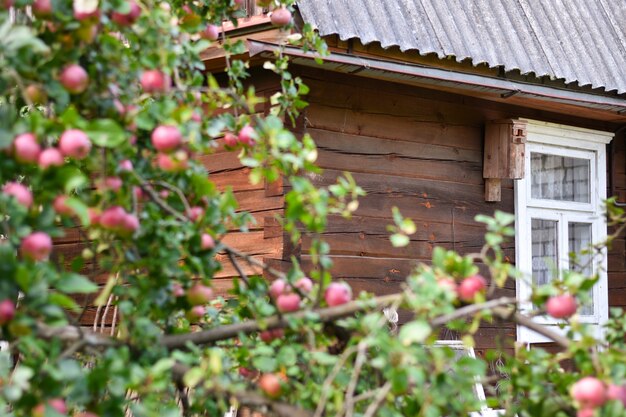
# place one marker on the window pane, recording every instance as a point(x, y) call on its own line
point(544, 250)
point(560, 178)
point(580, 239)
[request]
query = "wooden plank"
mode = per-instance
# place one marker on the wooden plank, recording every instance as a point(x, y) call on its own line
point(377, 102)
point(400, 165)
point(321, 116)
point(238, 179)
point(368, 145)
point(493, 189)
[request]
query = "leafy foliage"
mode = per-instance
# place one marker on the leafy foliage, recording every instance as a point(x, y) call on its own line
point(154, 222)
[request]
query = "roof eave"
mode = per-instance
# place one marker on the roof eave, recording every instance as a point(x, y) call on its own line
point(495, 88)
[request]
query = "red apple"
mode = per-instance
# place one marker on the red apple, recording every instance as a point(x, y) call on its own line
point(471, 286)
point(177, 289)
point(338, 293)
point(304, 284)
point(125, 166)
point(42, 8)
point(86, 14)
point(36, 94)
point(288, 302)
point(195, 313)
point(269, 335)
point(20, 192)
point(112, 183)
point(246, 135)
point(75, 143)
point(278, 287)
point(58, 405)
point(36, 246)
point(130, 224)
point(195, 213)
point(617, 393)
point(112, 218)
point(138, 192)
point(589, 392)
point(199, 294)
point(7, 311)
point(230, 140)
point(270, 385)
point(166, 138)
point(127, 19)
point(26, 148)
point(170, 163)
point(154, 81)
point(196, 117)
point(448, 284)
point(60, 207)
point(212, 32)
point(206, 241)
point(74, 78)
point(281, 17)
point(50, 157)
point(561, 306)
point(586, 412)
point(248, 373)
point(94, 215)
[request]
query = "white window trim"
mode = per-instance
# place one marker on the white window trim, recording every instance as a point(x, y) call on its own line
point(575, 142)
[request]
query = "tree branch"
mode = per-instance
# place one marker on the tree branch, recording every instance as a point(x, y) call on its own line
point(248, 398)
point(232, 330)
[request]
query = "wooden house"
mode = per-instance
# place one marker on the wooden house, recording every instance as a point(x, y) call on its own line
point(447, 109)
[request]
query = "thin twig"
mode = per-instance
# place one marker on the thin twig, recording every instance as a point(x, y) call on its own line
point(378, 400)
point(358, 364)
point(178, 192)
point(326, 387)
point(237, 267)
point(248, 398)
point(471, 309)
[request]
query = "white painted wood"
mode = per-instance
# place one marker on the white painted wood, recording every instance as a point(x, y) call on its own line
point(574, 142)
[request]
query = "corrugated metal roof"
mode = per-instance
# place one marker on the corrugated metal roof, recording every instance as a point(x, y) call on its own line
point(582, 41)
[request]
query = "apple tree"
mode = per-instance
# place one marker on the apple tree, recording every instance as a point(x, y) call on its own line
point(104, 107)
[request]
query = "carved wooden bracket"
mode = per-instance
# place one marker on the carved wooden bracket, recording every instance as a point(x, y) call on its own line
point(505, 142)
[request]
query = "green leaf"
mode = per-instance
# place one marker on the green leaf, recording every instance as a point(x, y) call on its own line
point(106, 291)
point(193, 377)
point(75, 284)
point(72, 178)
point(399, 240)
point(414, 332)
point(79, 208)
point(106, 133)
point(265, 363)
point(63, 301)
point(287, 356)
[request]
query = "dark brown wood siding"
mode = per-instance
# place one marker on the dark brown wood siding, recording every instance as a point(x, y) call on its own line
point(421, 151)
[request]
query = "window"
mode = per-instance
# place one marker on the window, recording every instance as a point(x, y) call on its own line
point(558, 206)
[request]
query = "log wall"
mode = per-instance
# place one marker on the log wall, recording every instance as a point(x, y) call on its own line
point(421, 151)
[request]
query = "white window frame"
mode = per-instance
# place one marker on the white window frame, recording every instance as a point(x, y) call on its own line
point(574, 142)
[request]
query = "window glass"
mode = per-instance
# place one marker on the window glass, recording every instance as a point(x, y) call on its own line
point(579, 240)
point(561, 178)
point(544, 250)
